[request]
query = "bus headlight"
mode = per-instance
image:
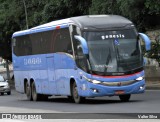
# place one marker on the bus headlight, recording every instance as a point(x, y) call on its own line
point(96, 81)
point(140, 78)
point(92, 81)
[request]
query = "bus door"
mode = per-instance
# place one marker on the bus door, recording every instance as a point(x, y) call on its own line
point(51, 74)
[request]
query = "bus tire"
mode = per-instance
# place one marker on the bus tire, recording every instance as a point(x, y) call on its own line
point(35, 95)
point(76, 97)
point(28, 91)
point(125, 98)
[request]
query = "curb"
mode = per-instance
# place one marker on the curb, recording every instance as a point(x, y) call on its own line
point(153, 87)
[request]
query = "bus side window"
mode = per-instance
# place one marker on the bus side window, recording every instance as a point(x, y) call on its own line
point(62, 41)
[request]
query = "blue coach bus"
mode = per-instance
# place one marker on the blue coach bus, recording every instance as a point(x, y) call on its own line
point(80, 57)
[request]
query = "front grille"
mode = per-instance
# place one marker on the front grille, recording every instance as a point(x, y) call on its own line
point(122, 83)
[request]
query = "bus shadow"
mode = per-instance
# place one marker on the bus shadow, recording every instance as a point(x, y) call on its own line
point(91, 101)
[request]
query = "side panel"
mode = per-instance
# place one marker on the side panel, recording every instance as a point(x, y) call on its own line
point(64, 70)
point(29, 67)
point(18, 74)
point(18, 83)
point(51, 74)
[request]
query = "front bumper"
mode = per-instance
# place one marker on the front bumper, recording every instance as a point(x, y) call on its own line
point(5, 90)
point(96, 90)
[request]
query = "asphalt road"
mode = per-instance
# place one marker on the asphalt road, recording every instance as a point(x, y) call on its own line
point(59, 107)
point(149, 102)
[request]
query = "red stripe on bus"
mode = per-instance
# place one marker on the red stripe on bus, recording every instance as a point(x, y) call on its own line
point(57, 27)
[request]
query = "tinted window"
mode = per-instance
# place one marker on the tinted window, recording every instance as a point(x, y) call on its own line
point(23, 46)
point(112, 52)
point(43, 42)
point(62, 41)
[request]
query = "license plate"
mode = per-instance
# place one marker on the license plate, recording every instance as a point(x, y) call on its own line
point(118, 92)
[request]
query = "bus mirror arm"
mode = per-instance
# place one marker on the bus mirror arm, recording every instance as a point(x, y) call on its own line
point(83, 43)
point(146, 40)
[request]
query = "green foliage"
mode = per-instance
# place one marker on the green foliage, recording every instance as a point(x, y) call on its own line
point(153, 7)
point(134, 9)
point(144, 13)
point(12, 16)
point(154, 53)
point(104, 7)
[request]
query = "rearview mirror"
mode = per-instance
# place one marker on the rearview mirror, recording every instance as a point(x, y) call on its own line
point(147, 41)
point(83, 43)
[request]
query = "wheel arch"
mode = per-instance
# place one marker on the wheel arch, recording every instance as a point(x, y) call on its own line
point(72, 80)
point(29, 82)
point(25, 81)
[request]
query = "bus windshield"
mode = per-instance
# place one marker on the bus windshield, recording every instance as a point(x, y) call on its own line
point(114, 52)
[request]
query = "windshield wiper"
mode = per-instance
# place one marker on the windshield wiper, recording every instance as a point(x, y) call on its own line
point(107, 61)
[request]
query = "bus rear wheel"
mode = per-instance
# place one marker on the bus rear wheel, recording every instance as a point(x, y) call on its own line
point(125, 98)
point(76, 97)
point(28, 91)
point(35, 95)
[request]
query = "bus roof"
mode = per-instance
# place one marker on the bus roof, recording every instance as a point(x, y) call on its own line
point(101, 21)
point(84, 22)
point(45, 27)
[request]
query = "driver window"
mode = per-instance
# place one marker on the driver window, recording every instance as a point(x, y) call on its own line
point(80, 58)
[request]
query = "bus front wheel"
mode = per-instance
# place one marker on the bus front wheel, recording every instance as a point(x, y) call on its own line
point(125, 98)
point(35, 95)
point(76, 97)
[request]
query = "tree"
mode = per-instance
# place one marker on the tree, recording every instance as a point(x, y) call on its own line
point(12, 16)
point(144, 13)
point(104, 7)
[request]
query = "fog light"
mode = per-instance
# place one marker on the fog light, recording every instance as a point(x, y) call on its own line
point(141, 88)
point(95, 90)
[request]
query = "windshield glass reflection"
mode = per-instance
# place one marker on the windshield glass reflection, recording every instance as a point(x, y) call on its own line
point(114, 51)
